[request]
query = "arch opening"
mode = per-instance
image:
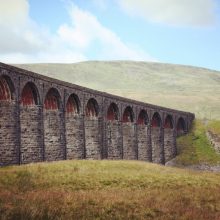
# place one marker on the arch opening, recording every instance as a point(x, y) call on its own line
point(128, 115)
point(5, 91)
point(113, 112)
point(72, 105)
point(29, 95)
point(51, 101)
point(168, 122)
point(156, 120)
point(142, 118)
point(181, 124)
point(92, 108)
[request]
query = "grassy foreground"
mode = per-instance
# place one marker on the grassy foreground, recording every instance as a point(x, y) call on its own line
point(107, 190)
point(195, 148)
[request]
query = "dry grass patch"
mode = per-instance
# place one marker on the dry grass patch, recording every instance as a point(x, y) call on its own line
point(107, 190)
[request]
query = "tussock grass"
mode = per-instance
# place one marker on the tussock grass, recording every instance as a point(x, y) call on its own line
point(107, 190)
point(214, 126)
point(195, 148)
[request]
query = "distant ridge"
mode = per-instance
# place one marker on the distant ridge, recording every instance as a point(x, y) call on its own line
point(187, 88)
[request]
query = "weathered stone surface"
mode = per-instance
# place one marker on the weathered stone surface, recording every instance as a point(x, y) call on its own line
point(129, 141)
point(169, 144)
point(8, 134)
point(93, 138)
point(53, 136)
point(114, 140)
point(31, 134)
point(144, 143)
point(157, 145)
point(74, 136)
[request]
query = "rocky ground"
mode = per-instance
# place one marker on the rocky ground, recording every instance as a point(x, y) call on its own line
point(200, 167)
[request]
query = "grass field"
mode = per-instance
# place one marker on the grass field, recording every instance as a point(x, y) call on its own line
point(107, 190)
point(115, 189)
point(181, 87)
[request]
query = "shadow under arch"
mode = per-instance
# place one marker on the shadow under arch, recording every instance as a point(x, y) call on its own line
point(92, 108)
point(30, 95)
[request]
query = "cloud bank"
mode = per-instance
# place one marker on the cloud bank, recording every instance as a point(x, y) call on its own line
point(196, 13)
point(22, 40)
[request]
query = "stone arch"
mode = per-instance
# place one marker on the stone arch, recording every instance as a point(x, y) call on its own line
point(31, 125)
point(30, 95)
point(156, 139)
point(168, 123)
point(92, 108)
point(52, 100)
point(129, 135)
point(181, 126)
point(7, 89)
point(169, 138)
point(128, 115)
point(74, 132)
point(113, 112)
point(156, 120)
point(53, 128)
point(143, 118)
point(143, 136)
point(113, 133)
point(92, 130)
point(73, 104)
point(8, 122)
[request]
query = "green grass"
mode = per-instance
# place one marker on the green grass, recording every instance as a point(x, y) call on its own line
point(107, 190)
point(185, 88)
point(195, 148)
point(214, 127)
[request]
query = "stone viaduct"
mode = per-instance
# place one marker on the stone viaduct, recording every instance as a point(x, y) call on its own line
point(44, 119)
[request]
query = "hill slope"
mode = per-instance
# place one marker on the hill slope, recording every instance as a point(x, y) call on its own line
point(182, 87)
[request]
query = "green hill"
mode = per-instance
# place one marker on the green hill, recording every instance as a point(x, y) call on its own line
point(182, 87)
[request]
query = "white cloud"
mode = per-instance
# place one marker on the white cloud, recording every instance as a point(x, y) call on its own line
point(173, 12)
point(86, 30)
point(24, 41)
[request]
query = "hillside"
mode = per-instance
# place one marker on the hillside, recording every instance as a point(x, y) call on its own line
point(182, 87)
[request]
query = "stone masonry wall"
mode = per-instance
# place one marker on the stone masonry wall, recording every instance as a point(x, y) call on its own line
point(31, 134)
point(114, 140)
point(74, 136)
point(144, 145)
point(169, 144)
point(53, 141)
point(129, 145)
point(92, 138)
point(157, 145)
point(8, 134)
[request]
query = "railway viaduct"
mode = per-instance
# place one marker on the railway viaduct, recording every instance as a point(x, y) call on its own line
point(44, 119)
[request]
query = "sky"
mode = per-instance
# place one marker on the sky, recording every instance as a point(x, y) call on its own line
point(68, 31)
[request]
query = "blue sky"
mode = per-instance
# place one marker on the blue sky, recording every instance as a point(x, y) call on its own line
point(66, 31)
